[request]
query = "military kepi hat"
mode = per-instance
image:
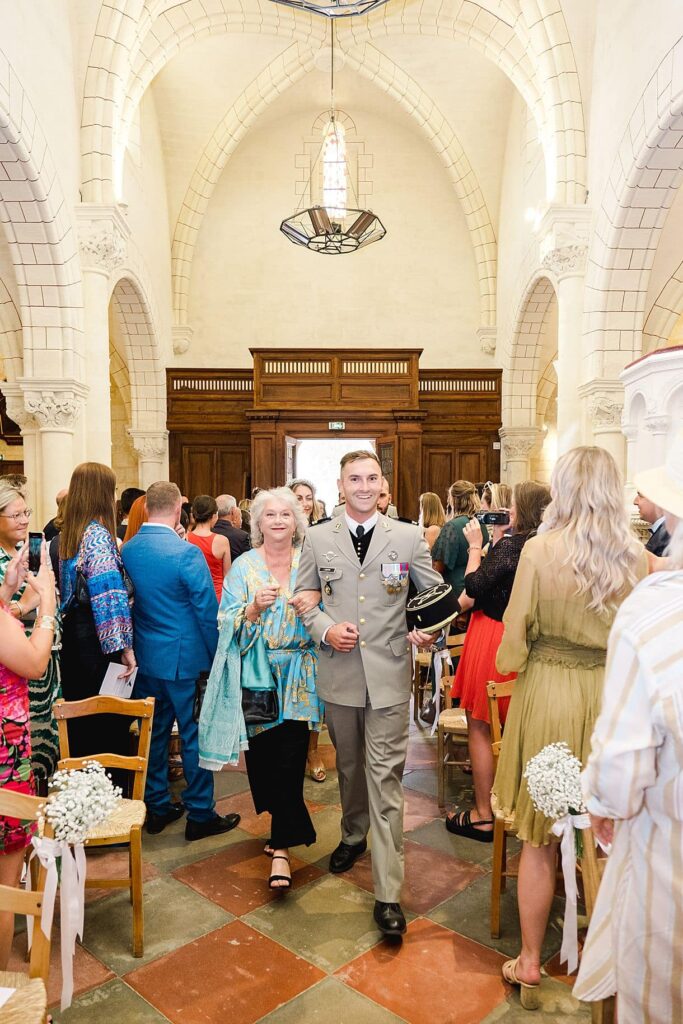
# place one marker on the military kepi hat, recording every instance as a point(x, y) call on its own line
point(432, 609)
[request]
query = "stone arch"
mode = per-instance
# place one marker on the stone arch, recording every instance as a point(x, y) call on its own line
point(287, 69)
point(138, 49)
point(11, 349)
point(41, 239)
point(521, 381)
point(646, 173)
point(665, 312)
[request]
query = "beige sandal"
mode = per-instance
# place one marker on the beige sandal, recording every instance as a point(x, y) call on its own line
point(528, 994)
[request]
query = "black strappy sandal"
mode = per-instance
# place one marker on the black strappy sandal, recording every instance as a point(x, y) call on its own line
point(460, 824)
point(280, 878)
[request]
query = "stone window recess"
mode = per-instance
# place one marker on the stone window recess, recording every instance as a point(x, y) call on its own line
point(309, 188)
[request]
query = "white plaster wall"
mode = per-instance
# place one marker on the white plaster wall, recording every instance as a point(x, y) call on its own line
point(417, 287)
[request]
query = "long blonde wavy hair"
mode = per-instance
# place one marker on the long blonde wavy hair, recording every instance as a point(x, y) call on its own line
point(588, 504)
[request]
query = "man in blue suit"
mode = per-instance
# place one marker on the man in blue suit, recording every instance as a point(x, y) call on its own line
point(175, 637)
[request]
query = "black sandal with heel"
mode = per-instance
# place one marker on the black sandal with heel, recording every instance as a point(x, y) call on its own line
point(280, 878)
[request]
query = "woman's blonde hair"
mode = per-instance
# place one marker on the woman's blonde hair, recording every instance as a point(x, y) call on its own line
point(432, 510)
point(464, 498)
point(316, 511)
point(588, 504)
point(258, 507)
point(9, 492)
point(92, 495)
point(497, 495)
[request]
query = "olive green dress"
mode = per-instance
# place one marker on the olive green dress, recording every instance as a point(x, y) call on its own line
point(558, 648)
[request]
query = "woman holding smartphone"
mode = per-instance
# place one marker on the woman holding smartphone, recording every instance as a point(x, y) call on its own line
point(488, 585)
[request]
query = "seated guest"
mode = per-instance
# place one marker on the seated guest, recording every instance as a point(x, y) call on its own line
point(633, 788)
point(52, 528)
point(258, 620)
point(99, 629)
point(488, 585)
point(214, 547)
point(449, 554)
point(653, 514)
point(136, 517)
point(176, 633)
point(432, 517)
point(229, 524)
point(569, 584)
point(130, 495)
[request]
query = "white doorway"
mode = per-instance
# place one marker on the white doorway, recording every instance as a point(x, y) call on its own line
point(317, 459)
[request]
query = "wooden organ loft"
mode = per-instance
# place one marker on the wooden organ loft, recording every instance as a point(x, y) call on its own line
point(230, 430)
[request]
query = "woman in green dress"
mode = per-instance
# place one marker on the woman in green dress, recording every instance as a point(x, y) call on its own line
point(14, 521)
point(449, 553)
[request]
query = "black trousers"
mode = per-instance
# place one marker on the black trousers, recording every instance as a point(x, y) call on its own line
point(276, 765)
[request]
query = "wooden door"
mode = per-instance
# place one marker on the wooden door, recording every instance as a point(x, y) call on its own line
point(386, 452)
point(210, 467)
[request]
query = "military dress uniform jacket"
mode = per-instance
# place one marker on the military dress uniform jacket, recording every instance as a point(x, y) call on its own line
point(380, 664)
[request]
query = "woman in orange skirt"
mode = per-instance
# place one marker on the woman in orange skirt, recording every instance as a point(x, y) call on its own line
point(488, 585)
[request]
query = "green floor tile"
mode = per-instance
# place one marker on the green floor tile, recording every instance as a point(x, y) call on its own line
point(434, 834)
point(558, 1006)
point(174, 915)
point(113, 1002)
point(227, 783)
point(326, 792)
point(328, 830)
point(170, 849)
point(331, 1002)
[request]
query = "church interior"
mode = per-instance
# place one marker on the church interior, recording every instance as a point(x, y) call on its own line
point(501, 279)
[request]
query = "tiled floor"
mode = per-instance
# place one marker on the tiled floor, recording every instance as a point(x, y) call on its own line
point(220, 947)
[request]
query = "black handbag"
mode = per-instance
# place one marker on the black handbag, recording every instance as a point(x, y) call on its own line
point(260, 707)
point(199, 691)
point(82, 594)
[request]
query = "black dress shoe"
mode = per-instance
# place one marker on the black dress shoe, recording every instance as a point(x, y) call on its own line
point(389, 918)
point(156, 823)
point(213, 827)
point(345, 856)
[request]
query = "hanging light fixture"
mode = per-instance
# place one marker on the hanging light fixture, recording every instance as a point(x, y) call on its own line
point(333, 8)
point(334, 227)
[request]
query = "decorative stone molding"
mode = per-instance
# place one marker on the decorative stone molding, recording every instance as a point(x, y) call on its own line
point(569, 260)
point(657, 423)
point(54, 405)
point(563, 234)
point(103, 236)
point(149, 444)
point(182, 338)
point(487, 340)
point(604, 401)
point(16, 409)
point(518, 442)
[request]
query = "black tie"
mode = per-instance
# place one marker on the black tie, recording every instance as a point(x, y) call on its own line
point(360, 530)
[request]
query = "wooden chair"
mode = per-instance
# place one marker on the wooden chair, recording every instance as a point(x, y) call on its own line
point(592, 867)
point(28, 1005)
point(421, 667)
point(125, 823)
point(502, 827)
point(452, 733)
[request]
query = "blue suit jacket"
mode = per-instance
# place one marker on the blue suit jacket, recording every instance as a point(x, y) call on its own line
point(175, 609)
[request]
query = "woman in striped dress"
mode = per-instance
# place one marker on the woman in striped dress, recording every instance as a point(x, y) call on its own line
point(633, 788)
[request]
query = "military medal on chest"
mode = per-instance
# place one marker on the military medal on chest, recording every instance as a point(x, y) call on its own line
point(395, 576)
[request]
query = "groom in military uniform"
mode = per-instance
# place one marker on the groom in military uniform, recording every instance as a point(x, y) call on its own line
point(361, 562)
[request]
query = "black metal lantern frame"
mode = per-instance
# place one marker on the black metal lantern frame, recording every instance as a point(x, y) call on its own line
point(333, 8)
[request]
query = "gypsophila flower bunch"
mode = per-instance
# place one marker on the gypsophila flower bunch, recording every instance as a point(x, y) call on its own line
point(553, 780)
point(80, 799)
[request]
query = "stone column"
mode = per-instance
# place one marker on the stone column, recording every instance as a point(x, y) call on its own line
point(151, 447)
point(658, 426)
point(630, 432)
point(563, 250)
point(517, 445)
point(604, 401)
point(103, 236)
point(56, 407)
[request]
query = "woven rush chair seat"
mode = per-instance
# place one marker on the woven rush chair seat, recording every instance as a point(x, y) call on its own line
point(28, 1005)
point(118, 824)
point(452, 728)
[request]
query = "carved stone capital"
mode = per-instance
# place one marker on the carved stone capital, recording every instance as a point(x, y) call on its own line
point(658, 423)
point(605, 410)
point(182, 338)
point(149, 444)
point(54, 409)
point(103, 236)
point(487, 340)
point(566, 261)
point(16, 409)
point(518, 442)
point(563, 234)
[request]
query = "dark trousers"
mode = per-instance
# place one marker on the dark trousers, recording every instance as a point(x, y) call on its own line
point(276, 765)
point(173, 700)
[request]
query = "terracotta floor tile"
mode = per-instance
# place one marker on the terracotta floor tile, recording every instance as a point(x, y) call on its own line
point(432, 976)
point(236, 878)
point(251, 822)
point(431, 877)
point(104, 863)
point(418, 810)
point(233, 974)
point(170, 849)
point(88, 970)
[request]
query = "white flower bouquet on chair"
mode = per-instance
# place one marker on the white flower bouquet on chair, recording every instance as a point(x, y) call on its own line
point(553, 779)
point(80, 799)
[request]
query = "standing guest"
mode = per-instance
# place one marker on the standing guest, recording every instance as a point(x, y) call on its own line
point(136, 517)
point(305, 495)
point(128, 497)
point(432, 517)
point(229, 524)
point(569, 583)
point(362, 562)
point(654, 515)
point(22, 657)
point(258, 618)
point(100, 630)
point(633, 788)
point(43, 692)
point(54, 525)
point(488, 585)
point(449, 554)
point(384, 503)
point(175, 614)
point(214, 547)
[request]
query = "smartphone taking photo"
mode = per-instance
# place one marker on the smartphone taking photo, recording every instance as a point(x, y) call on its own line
point(35, 547)
point(501, 518)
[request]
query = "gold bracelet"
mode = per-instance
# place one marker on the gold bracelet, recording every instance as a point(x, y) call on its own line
point(46, 622)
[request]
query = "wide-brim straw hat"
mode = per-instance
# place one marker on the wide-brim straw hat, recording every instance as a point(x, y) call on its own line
point(664, 484)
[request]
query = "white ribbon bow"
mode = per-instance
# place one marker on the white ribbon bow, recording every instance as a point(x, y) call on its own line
point(564, 827)
point(72, 902)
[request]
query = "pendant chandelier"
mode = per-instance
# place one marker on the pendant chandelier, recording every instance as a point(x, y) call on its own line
point(333, 8)
point(334, 227)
